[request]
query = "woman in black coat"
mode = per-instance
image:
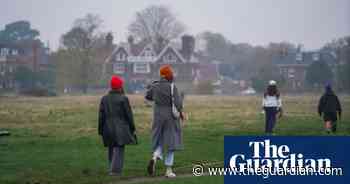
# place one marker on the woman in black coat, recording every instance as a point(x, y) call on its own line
point(329, 106)
point(116, 124)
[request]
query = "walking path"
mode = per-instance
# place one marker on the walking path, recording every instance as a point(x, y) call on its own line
point(151, 179)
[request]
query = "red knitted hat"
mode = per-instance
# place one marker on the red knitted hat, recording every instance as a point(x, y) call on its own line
point(116, 82)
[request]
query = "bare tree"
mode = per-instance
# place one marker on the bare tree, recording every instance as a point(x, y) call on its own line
point(156, 22)
point(80, 42)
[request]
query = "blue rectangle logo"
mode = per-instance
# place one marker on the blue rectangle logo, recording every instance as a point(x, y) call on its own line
point(287, 159)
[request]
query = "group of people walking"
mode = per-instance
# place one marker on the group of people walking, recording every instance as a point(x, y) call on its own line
point(117, 129)
point(328, 107)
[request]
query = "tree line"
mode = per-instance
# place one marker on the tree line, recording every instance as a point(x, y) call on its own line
point(76, 65)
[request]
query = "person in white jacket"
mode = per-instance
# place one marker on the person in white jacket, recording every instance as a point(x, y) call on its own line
point(272, 105)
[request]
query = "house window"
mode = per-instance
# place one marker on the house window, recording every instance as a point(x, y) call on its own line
point(120, 57)
point(299, 57)
point(141, 68)
point(149, 53)
point(316, 56)
point(14, 52)
point(170, 58)
point(118, 68)
point(4, 52)
point(291, 73)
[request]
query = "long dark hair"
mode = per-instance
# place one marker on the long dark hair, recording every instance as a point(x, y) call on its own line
point(272, 90)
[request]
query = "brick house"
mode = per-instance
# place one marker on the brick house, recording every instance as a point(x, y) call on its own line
point(139, 63)
point(293, 66)
point(31, 54)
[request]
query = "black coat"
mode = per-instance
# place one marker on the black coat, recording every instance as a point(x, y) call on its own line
point(329, 104)
point(116, 122)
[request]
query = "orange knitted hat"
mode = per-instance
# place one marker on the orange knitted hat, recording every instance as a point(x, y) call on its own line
point(166, 72)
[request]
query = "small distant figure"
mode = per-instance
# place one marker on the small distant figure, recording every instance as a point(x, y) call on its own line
point(329, 106)
point(272, 106)
point(116, 125)
point(166, 128)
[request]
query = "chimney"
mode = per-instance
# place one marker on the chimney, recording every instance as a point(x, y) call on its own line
point(188, 44)
point(131, 40)
point(109, 40)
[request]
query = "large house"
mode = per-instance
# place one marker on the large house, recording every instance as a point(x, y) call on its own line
point(139, 63)
point(293, 66)
point(31, 54)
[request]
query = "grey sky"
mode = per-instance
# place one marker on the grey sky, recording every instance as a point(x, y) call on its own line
point(311, 22)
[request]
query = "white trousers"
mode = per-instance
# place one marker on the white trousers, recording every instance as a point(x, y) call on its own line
point(169, 158)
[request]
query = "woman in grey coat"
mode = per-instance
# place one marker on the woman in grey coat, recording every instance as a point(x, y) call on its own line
point(166, 128)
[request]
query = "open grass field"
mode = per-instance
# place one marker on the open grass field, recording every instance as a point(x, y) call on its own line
point(54, 140)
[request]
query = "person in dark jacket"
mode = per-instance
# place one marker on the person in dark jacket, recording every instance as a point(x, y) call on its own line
point(166, 128)
point(329, 106)
point(116, 124)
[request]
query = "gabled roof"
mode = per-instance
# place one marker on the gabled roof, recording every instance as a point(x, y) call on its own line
point(137, 49)
point(115, 51)
point(169, 46)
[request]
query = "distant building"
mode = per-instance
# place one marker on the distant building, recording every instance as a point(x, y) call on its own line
point(31, 54)
point(139, 62)
point(293, 66)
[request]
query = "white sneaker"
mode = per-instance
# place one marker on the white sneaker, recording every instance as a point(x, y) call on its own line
point(169, 173)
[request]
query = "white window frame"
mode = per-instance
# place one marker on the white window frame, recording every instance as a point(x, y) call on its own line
point(118, 68)
point(10, 69)
point(136, 68)
point(14, 52)
point(4, 52)
point(149, 52)
point(299, 57)
point(316, 56)
point(120, 56)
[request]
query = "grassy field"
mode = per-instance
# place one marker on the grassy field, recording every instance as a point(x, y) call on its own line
point(54, 140)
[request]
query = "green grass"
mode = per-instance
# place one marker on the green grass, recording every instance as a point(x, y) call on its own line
point(54, 140)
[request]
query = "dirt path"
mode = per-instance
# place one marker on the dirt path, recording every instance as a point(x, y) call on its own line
point(150, 179)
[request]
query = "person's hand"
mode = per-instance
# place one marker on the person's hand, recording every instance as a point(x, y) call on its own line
point(182, 116)
point(280, 115)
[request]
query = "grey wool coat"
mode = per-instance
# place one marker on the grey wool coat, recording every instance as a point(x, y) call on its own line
point(116, 122)
point(166, 129)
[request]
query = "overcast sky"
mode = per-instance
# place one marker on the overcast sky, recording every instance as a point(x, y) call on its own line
point(258, 22)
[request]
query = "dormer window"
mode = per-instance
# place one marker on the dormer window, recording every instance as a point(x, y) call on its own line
point(170, 58)
point(148, 52)
point(316, 56)
point(121, 56)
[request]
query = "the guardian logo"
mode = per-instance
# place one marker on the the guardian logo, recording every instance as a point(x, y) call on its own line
point(267, 155)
